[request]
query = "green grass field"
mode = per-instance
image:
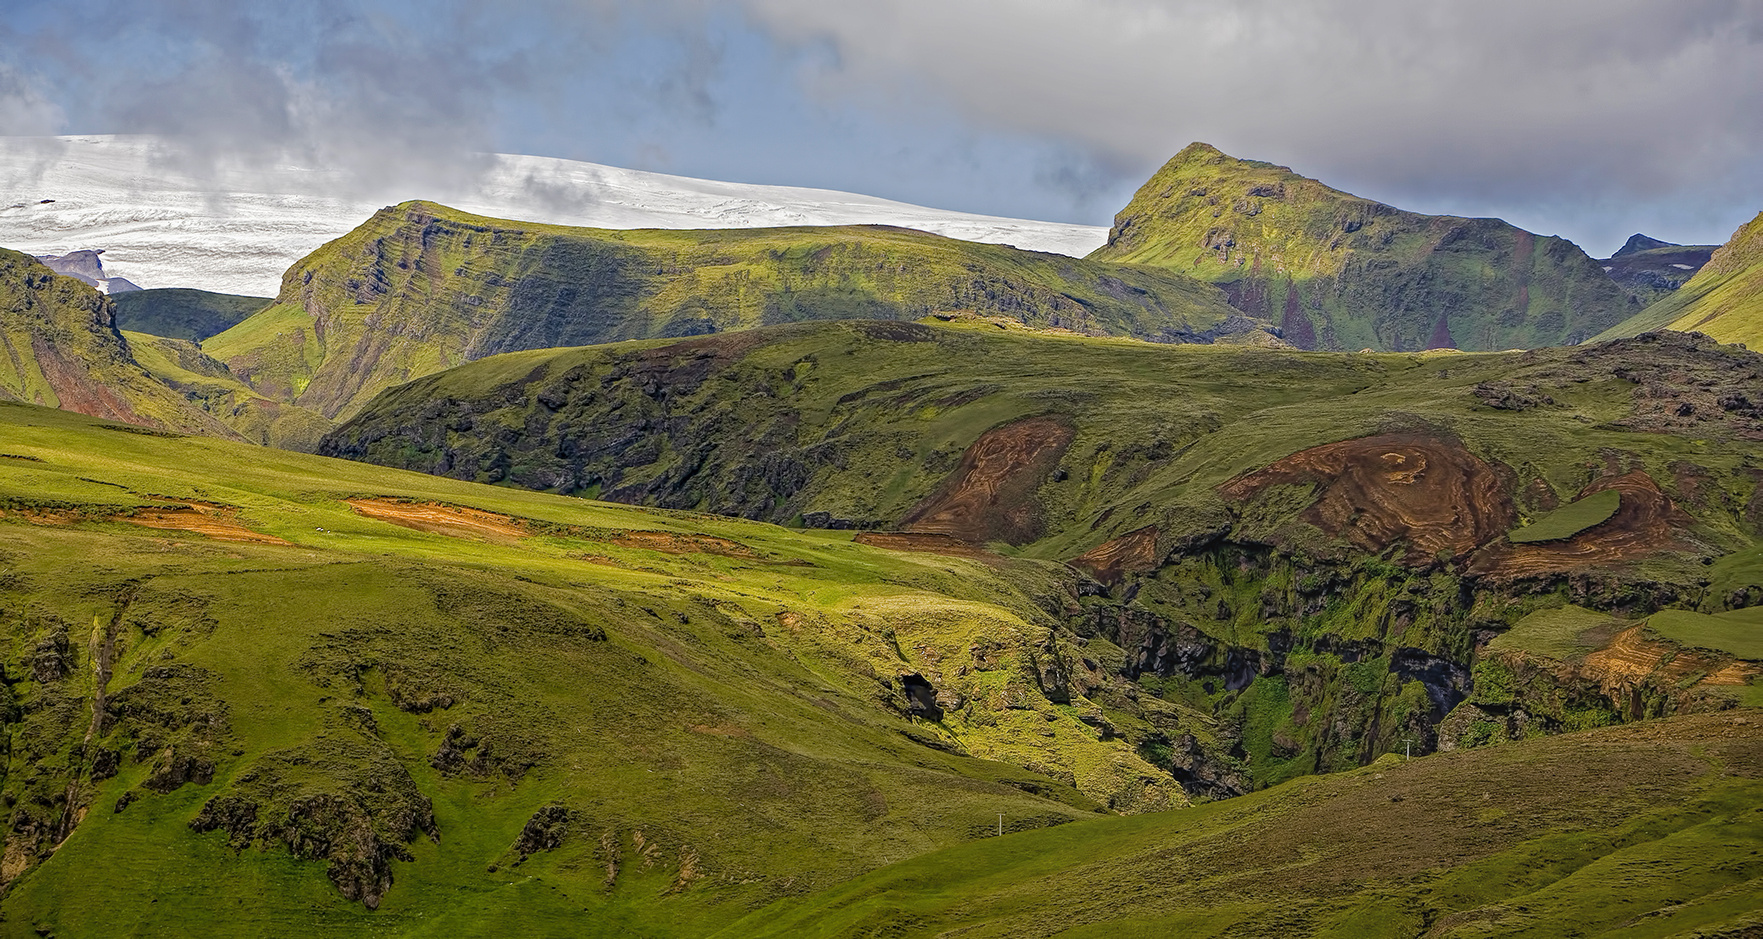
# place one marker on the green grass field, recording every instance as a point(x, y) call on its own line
point(1570, 519)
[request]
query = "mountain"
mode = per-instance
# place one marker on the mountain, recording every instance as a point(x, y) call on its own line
point(420, 287)
point(1314, 551)
point(1650, 269)
point(87, 268)
point(181, 313)
point(1339, 272)
point(1724, 299)
point(169, 215)
point(254, 692)
point(63, 349)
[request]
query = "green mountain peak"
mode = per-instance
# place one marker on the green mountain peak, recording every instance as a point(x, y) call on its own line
point(1337, 271)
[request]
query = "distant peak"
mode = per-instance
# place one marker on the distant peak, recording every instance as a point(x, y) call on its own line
point(1639, 242)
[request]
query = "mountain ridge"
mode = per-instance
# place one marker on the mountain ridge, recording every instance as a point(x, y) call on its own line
point(1337, 271)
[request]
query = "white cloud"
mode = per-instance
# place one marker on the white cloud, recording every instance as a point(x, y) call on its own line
point(25, 111)
point(1495, 101)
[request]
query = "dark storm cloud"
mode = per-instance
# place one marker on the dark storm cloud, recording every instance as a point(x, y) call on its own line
point(1568, 104)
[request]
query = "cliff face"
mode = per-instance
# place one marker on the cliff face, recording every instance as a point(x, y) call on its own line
point(1335, 271)
point(419, 288)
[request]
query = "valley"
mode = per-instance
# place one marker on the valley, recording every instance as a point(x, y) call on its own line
point(505, 577)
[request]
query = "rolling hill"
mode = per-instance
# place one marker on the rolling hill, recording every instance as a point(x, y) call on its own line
point(1312, 549)
point(299, 695)
point(1723, 300)
point(1339, 272)
point(267, 693)
point(419, 288)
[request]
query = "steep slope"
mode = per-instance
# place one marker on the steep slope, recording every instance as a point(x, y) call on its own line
point(1314, 549)
point(419, 288)
point(170, 214)
point(1723, 300)
point(263, 693)
point(1339, 272)
point(62, 349)
point(1643, 831)
point(180, 313)
point(205, 383)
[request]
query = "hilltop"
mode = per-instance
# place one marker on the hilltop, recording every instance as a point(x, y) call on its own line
point(1650, 269)
point(1336, 271)
point(419, 288)
point(1724, 299)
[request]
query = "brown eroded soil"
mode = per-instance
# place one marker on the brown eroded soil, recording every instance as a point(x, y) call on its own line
point(990, 496)
point(669, 542)
point(1634, 657)
point(438, 518)
point(1133, 552)
point(214, 521)
point(1375, 491)
point(921, 541)
point(1646, 523)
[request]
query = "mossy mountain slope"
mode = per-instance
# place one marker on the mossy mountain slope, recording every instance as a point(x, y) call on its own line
point(1311, 548)
point(261, 693)
point(62, 349)
point(1723, 300)
point(420, 288)
point(1336, 271)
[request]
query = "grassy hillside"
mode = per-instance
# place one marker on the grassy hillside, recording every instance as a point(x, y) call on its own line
point(62, 349)
point(1339, 272)
point(1723, 300)
point(1644, 831)
point(267, 694)
point(183, 313)
point(420, 288)
point(1314, 549)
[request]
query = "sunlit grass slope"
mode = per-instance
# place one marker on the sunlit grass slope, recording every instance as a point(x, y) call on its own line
point(239, 703)
point(1336, 271)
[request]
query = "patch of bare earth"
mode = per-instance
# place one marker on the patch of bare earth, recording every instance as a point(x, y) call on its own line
point(1634, 657)
point(219, 522)
point(991, 495)
point(1375, 491)
point(457, 521)
point(917, 541)
point(1646, 522)
point(668, 542)
point(1133, 552)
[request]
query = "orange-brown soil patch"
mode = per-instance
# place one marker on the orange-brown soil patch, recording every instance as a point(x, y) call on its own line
point(669, 542)
point(990, 496)
point(1375, 491)
point(1645, 523)
point(217, 522)
point(929, 542)
point(439, 518)
point(1133, 552)
point(1634, 657)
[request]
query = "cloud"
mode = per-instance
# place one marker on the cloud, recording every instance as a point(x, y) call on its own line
point(1499, 101)
point(25, 110)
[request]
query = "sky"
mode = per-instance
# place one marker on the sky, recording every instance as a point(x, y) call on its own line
point(1591, 119)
